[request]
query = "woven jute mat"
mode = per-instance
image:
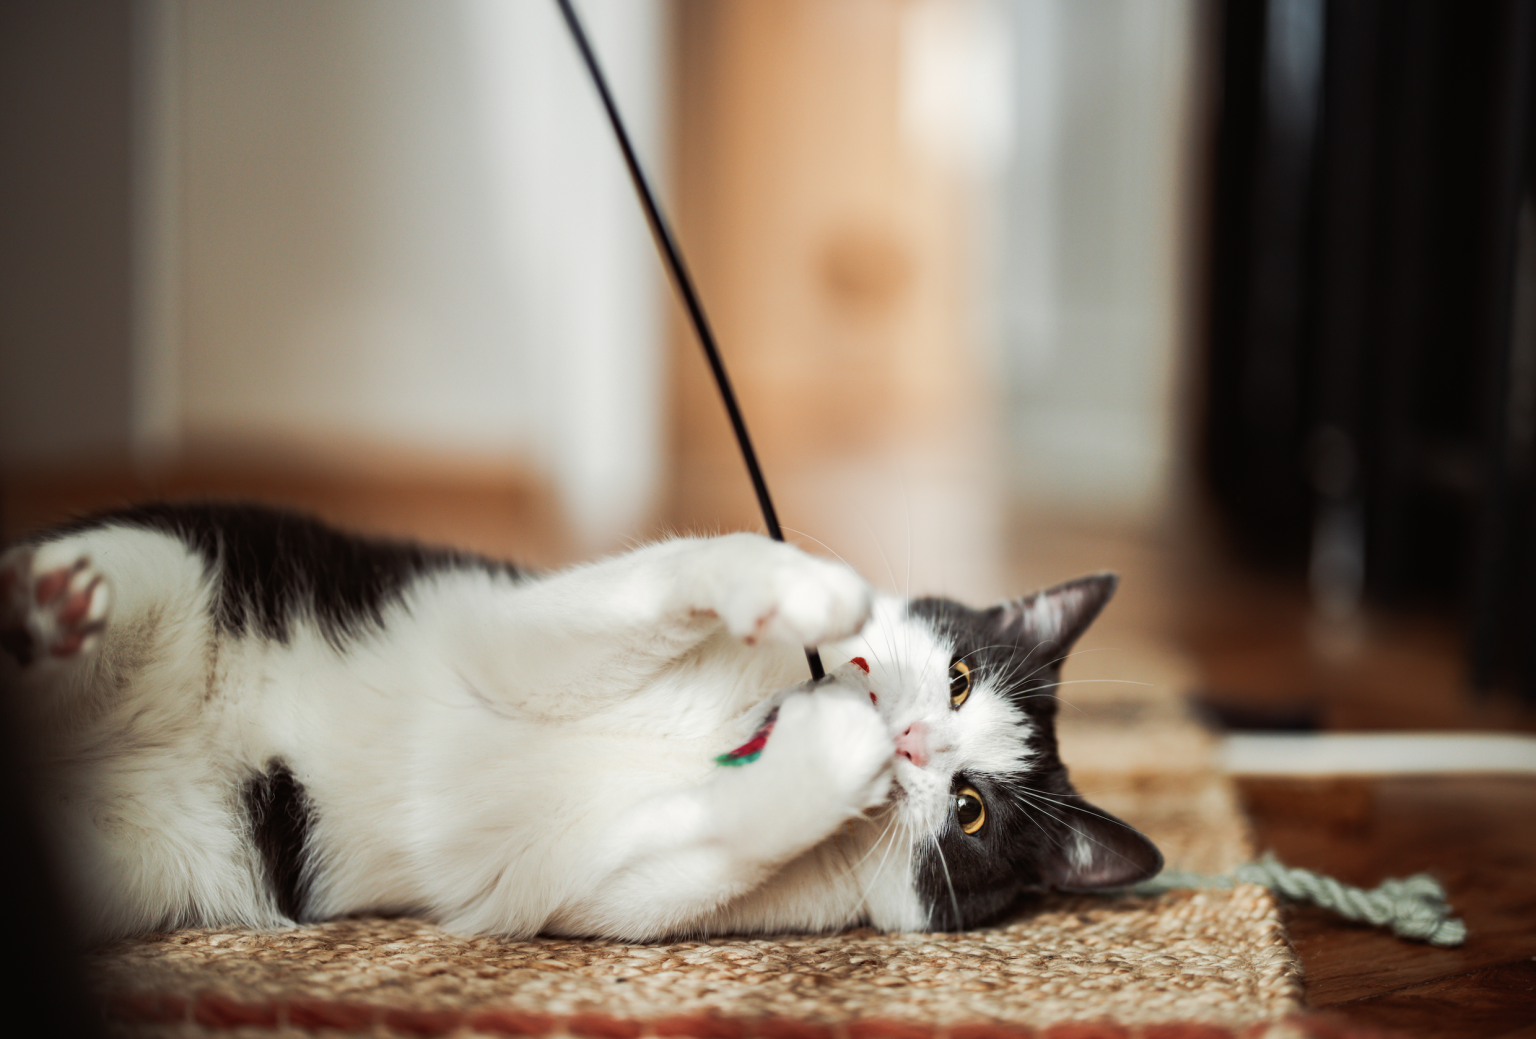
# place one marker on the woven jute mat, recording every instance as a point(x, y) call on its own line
point(1206, 963)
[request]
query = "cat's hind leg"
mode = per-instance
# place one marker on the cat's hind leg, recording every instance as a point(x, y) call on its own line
point(52, 604)
point(109, 690)
point(84, 613)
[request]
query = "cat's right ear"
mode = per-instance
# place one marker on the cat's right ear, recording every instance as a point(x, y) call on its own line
point(1096, 851)
point(1059, 614)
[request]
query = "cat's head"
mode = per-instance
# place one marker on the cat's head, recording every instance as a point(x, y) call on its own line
point(981, 791)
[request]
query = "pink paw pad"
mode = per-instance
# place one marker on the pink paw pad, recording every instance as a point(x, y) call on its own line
point(55, 613)
point(752, 637)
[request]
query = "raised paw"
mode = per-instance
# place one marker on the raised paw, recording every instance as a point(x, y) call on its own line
point(842, 747)
point(57, 611)
point(775, 592)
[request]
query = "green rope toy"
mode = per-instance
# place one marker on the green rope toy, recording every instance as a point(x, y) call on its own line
point(1413, 907)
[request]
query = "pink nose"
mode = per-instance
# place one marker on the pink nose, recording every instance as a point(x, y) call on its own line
point(913, 744)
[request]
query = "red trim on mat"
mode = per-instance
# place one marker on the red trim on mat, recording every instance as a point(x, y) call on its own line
point(980, 1031)
point(511, 1022)
point(788, 1028)
point(698, 1026)
point(214, 1010)
point(1190, 1030)
point(601, 1026)
point(423, 1022)
point(878, 1028)
point(1095, 1030)
point(323, 1013)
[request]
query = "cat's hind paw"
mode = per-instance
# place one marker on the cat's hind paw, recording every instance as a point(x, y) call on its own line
point(56, 611)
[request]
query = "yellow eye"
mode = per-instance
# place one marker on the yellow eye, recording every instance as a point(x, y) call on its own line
point(969, 810)
point(959, 683)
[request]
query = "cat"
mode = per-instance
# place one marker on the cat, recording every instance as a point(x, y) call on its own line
point(244, 718)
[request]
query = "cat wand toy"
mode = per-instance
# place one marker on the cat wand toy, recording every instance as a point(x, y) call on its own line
point(666, 242)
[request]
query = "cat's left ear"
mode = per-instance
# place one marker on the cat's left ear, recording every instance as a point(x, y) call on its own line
point(1059, 614)
point(1098, 852)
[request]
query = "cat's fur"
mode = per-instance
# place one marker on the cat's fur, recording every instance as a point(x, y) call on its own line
point(242, 717)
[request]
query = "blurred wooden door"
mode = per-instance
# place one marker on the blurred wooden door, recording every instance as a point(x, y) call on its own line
point(829, 248)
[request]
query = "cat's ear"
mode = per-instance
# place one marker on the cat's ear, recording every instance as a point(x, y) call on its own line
point(1098, 851)
point(1058, 614)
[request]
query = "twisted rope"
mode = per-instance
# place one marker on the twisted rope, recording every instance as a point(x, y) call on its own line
point(1413, 907)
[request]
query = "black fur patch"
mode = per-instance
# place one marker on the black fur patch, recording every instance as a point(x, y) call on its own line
point(1034, 816)
point(274, 566)
point(281, 817)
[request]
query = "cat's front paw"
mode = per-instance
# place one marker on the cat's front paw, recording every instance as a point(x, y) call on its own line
point(838, 748)
point(769, 591)
point(50, 608)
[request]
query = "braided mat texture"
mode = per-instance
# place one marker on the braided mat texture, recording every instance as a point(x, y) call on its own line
point(1217, 962)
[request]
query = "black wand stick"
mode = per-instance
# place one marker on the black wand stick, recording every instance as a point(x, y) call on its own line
point(665, 241)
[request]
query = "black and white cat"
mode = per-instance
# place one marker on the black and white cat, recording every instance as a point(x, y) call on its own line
point(245, 718)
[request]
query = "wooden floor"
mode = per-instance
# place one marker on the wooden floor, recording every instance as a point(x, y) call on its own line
point(1251, 639)
point(1478, 836)
point(1260, 653)
point(1263, 656)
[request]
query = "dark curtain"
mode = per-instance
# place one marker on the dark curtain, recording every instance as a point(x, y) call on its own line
point(1371, 319)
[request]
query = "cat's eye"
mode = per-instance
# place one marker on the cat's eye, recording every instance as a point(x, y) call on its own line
point(969, 811)
point(959, 683)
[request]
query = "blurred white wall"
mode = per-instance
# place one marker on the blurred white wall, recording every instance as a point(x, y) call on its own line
point(401, 225)
point(393, 224)
point(1091, 255)
point(65, 297)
